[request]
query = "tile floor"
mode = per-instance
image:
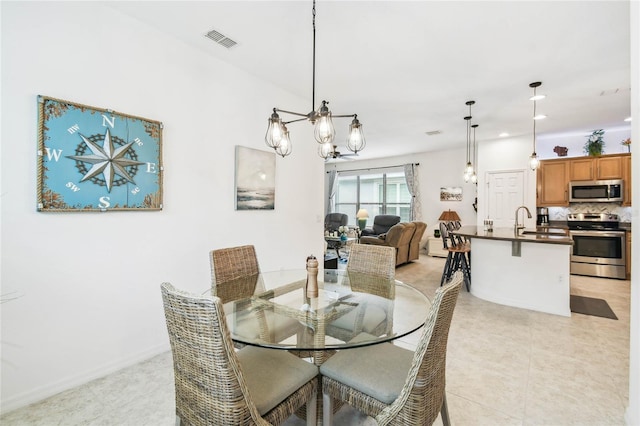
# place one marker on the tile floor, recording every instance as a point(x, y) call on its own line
point(506, 366)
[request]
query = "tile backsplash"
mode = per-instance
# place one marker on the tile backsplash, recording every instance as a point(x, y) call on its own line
point(560, 213)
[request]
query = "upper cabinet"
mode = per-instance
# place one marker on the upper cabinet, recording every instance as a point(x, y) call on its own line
point(552, 188)
point(553, 176)
point(596, 168)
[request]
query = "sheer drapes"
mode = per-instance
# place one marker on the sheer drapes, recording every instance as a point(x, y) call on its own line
point(411, 176)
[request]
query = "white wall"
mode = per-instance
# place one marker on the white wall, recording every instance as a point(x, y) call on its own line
point(574, 142)
point(89, 282)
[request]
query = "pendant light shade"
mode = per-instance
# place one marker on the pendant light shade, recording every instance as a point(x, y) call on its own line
point(534, 161)
point(324, 132)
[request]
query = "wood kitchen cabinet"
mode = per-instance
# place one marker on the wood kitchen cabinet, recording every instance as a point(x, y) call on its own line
point(552, 187)
point(626, 176)
point(596, 168)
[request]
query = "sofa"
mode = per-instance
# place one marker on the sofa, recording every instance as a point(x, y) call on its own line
point(381, 224)
point(398, 236)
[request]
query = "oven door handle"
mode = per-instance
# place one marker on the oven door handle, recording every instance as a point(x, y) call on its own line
point(616, 234)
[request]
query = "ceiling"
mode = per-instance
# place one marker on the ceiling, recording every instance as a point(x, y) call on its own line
point(408, 67)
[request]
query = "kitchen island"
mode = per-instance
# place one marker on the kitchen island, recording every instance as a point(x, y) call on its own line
point(527, 270)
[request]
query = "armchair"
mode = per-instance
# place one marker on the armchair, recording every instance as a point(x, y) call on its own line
point(381, 224)
point(398, 236)
point(333, 221)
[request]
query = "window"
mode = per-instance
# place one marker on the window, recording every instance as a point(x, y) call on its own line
point(377, 192)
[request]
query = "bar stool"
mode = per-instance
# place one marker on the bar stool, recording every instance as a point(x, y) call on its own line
point(458, 256)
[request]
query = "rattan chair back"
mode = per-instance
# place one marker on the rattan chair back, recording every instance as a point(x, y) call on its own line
point(422, 396)
point(209, 385)
point(234, 272)
point(372, 260)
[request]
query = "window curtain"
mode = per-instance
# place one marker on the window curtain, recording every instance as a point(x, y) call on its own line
point(333, 185)
point(411, 176)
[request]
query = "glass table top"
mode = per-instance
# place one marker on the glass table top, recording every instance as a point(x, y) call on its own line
point(352, 309)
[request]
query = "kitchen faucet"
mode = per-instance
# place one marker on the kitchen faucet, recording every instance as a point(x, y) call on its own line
point(518, 227)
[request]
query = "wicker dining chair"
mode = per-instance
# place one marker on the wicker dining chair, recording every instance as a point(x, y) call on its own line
point(235, 275)
point(392, 384)
point(215, 385)
point(372, 259)
point(371, 270)
point(228, 265)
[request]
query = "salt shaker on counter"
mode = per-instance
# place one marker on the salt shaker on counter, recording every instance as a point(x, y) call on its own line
point(312, 276)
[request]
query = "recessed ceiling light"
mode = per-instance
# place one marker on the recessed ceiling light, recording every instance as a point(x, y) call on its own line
point(537, 97)
point(539, 117)
point(627, 119)
point(503, 134)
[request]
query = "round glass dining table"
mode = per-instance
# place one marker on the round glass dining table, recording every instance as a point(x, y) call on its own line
point(272, 310)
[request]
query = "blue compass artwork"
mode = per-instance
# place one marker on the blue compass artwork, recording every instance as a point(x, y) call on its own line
point(93, 159)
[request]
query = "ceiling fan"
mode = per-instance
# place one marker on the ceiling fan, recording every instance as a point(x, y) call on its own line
point(336, 155)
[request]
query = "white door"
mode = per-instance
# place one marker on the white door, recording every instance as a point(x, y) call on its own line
point(505, 194)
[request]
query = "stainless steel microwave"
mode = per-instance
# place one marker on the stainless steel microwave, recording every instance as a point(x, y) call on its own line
point(596, 191)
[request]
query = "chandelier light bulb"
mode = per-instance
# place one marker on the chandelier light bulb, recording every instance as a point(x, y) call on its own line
point(355, 140)
point(474, 178)
point(325, 150)
point(467, 176)
point(284, 148)
point(274, 131)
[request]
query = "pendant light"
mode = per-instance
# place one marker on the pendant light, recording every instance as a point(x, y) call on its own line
point(277, 136)
point(534, 162)
point(468, 169)
point(474, 176)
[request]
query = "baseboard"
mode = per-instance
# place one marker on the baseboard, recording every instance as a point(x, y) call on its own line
point(43, 392)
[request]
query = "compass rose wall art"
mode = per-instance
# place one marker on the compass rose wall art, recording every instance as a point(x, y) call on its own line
point(93, 159)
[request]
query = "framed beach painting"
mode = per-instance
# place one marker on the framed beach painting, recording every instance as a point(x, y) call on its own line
point(451, 193)
point(255, 179)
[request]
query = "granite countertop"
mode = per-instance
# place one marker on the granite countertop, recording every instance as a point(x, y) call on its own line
point(545, 235)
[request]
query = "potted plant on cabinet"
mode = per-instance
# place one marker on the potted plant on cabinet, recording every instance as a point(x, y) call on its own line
point(595, 144)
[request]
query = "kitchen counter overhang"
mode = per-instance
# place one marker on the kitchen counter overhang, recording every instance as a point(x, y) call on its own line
point(548, 236)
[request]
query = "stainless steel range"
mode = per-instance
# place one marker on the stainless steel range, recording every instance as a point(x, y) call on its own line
point(599, 246)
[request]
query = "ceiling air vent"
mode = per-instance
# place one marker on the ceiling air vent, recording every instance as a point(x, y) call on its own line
point(221, 39)
point(433, 132)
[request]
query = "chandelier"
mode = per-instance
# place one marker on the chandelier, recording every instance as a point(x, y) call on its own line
point(277, 136)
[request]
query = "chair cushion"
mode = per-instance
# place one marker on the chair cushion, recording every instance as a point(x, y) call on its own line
point(373, 316)
point(379, 371)
point(272, 375)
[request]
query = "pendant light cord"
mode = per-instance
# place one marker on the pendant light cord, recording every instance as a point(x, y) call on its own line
point(534, 119)
point(313, 90)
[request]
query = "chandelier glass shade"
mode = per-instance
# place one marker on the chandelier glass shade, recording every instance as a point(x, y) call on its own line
point(324, 132)
point(534, 161)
